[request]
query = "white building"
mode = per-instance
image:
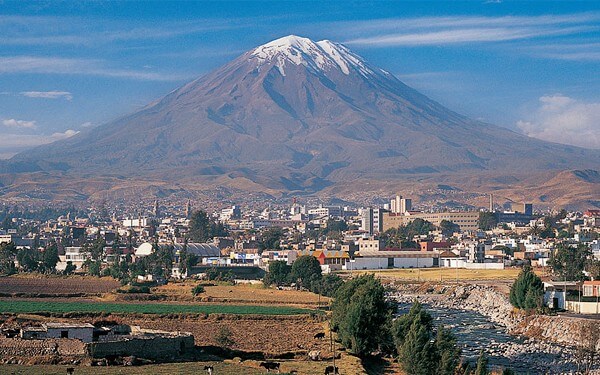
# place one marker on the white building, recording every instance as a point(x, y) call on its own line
point(82, 331)
point(370, 260)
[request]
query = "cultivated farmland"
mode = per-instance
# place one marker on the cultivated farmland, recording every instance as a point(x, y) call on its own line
point(41, 284)
point(38, 306)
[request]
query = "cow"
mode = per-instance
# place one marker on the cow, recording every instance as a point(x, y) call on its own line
point(320, 335)
point(331, 370)
point(270, 366)
point(209, 369)
point(314, 355)
point(70, 370)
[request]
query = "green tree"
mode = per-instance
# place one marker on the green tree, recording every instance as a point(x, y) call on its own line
point(334, 227)
point(402, 324)
point(448, 227)
point(202, 228)
point(487, 220)
point(50, 257)
point(527, 290)
point(361, 315)
point(330, 284)
point(270, 239)
point(418, 227)
point(279, 273)
point(93, 266)
point(69, 268)
point(417, 353)
point(448, 353)
point(199, 228)
point(482, 364)
point(28, 259)
point(7, 258)
point(418, 350)
point(305, 271)
point(568, 263)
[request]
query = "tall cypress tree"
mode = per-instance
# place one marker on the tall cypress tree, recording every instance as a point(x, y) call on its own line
point(417, 352)
point(526, 292)
point(482, 364)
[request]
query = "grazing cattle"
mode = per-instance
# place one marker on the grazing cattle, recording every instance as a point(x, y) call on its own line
point(270, 366)
point(70, 370)
point(209, 369)
point(330, 370)
point(320, 335)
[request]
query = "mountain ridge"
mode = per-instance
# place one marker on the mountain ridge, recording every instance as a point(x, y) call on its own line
point(298, 115)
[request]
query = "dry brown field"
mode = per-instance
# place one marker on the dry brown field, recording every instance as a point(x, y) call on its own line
point(241, 293)
point(43, 284)
point(348, 365)
point(443, 274)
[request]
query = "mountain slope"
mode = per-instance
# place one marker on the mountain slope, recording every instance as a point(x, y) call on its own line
point(294, 114)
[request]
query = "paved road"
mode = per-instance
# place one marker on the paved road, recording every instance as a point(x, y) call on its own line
point(581, 316)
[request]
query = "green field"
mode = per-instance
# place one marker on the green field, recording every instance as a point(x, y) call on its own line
point(17, 306)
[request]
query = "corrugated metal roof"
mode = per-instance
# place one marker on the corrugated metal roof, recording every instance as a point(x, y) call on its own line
point(200, 249)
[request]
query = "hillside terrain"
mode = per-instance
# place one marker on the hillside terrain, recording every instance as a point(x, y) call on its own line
point(293, 117)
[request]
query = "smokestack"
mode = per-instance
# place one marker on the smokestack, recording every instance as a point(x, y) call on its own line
point(491, 202)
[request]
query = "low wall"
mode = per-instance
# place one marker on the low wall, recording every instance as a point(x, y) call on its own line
point(484, 266)
point(31, 348)
point(145, 347)
point(583, 307)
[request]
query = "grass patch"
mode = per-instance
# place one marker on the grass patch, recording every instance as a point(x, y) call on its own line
point(12, 306)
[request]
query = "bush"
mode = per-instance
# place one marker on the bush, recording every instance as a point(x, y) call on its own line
point(223, 338)
point(198, 289)
point(214, 274)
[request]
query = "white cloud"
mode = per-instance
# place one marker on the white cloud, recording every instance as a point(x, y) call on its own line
point(86, 124)
point(12, 123)
point(58, 65)
point(465, 35)
point(48, 94)
point(67, 134)
point(563, 119)
point(465, 29)
point(11, 144)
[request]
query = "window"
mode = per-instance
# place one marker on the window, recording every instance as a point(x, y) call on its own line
point(64, 334)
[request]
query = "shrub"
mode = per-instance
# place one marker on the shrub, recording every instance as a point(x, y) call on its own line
point(198, 289)
point(223, 338)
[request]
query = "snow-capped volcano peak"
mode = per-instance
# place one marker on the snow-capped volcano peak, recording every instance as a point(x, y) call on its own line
point(319, 56)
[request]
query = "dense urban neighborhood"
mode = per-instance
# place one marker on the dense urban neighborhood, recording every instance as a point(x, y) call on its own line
point(518, 268)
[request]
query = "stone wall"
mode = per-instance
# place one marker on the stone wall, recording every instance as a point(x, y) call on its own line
point(48, 347)
point(151, 347)
point(561, 329)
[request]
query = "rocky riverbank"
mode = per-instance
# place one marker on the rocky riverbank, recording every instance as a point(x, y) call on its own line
point(544, 344)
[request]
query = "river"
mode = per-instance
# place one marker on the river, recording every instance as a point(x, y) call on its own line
point(474, 331)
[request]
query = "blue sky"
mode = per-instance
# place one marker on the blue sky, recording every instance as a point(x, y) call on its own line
point(530, 66)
